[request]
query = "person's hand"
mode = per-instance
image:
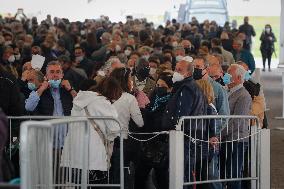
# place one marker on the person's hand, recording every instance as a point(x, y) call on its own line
point(45, 85)
point(25, 75)
point(66, 85)
point(214, 141)
point(270, 38)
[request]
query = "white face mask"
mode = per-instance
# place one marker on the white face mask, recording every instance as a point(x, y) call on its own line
point(101, 73)
point(17, 56)
point(175, 44)
point(153, 71)
point(177, 77)
point(83, 32)
point(146, 57)
point(11, 59)
point(267, 30)
point(117, 48)
point(7, 43)
point(127, 52)
point(79, 58)
point(131, 68)
point(179, 58)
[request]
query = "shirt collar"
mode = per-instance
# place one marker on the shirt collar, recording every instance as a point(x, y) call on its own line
point(234, 89)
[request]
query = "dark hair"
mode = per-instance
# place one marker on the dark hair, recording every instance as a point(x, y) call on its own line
point(87, 84)
point(135, 53)
point(53, 63)
point(216, 41)
point(122, 75)
point(130, 46)
point(154, 59)
point(167, 78)
point(252, 88)
point(216, 50)
point(64, 59)
point(109, 87)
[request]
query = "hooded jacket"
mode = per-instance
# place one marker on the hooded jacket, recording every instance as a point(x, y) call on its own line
point(73, 150)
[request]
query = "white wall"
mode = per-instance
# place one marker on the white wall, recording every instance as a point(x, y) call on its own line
point(117, 9)
point(254, 7)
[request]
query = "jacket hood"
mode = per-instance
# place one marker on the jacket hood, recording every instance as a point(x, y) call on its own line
point(84, 98)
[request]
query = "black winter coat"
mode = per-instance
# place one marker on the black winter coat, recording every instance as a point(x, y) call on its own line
point(187, 100)
point(45, 105)
point(266, 43)
point(10, 99)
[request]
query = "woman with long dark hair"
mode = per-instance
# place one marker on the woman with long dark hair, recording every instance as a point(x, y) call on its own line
point(128, 112)
point(267, 39)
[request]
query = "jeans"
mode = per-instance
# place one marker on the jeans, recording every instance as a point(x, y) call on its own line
point(195, 167)
point(232, 159)
point(213, 171)
point(130, 154)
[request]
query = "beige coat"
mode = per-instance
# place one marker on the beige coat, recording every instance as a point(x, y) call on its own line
point(258, 108)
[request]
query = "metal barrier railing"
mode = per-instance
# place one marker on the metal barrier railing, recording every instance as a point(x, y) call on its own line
point(215, 150)
point(181, 137)
point(67, 153)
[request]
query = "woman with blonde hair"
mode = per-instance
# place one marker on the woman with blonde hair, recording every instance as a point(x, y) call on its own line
point(214, 130)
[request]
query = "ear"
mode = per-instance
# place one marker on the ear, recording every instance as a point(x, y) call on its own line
point(239, 78)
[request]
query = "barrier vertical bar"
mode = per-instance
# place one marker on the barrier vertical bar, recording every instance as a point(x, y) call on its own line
point(265, 159)
point(176, 159)
point(85, 156)
point(283, 94)
point(121, 161)
point(253, 155)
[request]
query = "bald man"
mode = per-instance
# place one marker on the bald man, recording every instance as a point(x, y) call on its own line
point(187, 100)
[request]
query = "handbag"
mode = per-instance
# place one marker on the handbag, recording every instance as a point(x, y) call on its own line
point(107, 143)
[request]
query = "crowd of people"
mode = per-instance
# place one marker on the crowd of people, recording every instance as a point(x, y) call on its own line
point(145, 77)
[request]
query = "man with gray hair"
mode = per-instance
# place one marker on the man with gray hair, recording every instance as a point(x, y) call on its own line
point(107, 68)
point(187, 100)
point(52, 97)
point(232, 153)
point(102, 53)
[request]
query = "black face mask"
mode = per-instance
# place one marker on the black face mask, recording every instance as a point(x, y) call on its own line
point(189, 50)
point(143, 73)
point(220, 80)
point(161, 91)
point(197, 74)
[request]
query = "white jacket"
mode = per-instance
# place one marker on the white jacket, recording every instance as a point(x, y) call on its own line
point(127, 107)
point(72, 155)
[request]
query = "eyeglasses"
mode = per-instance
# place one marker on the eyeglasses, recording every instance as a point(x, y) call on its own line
point(214, 76)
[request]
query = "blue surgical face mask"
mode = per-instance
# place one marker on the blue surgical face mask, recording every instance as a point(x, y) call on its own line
point(227, 78)
point(32, 86)
point(54, 83)
point(247, 76)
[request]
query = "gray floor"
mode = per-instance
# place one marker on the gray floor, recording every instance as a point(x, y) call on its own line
point(272, 83)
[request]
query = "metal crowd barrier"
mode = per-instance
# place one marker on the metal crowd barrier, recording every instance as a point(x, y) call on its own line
point(233, 158)
point(188, 144)
point(66, 153)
